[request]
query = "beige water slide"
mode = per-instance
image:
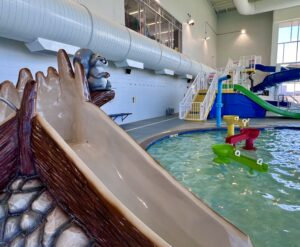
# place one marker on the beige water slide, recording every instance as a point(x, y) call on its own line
point(117, 167)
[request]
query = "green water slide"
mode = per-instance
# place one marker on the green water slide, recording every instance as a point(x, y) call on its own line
point(266, 105)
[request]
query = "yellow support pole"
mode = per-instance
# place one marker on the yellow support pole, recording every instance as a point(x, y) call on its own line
point(232, 120)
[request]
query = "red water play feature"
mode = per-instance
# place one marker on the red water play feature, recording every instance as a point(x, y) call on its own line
point(248, 135)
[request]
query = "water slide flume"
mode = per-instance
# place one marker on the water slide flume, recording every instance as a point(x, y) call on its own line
point(99, 173)
point(226, 153)
point(278, 78)
point(265, 104)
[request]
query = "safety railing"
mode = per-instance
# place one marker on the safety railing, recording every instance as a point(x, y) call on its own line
point(292, 102)
point(191, 110)
point(211, 92)
point(245, 64)
point(232, 70)
point(186, 105)
point(249, 62)
point(209, 98)
point(294, 99)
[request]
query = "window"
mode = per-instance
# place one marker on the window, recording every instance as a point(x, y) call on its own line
point(290, 88)
point(288, 53)
point(150, 19)
point(288, 48)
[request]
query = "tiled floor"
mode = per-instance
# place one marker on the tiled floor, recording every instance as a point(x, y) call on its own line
point(146, 129)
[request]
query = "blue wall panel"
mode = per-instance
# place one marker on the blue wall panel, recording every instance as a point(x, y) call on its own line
point(239, 104)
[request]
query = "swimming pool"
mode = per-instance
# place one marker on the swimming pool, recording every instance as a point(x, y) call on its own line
point(265, 206)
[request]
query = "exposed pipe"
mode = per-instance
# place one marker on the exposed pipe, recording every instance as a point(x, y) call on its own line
point(246, 8)
point(219, 103)
point(69, 22)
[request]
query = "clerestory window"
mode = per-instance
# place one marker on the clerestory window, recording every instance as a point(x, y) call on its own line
point(150, 19)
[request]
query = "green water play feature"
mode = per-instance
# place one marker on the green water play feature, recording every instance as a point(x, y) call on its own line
point(226, 153)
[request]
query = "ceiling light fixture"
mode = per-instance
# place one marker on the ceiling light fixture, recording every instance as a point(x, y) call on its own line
point(153, 23)
point(206, 37)
point(190, 21)
point(243, 31)
point(135, 12)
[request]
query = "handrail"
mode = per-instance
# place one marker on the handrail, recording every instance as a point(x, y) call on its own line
point(211, 92)
point(200, 83)
point(284, 97)
point(189, 109)
point(245, 63)
point(293, 98)
point(208, 99)
point(293, 105)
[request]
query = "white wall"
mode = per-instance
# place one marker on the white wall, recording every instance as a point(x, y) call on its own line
point(143, 94)
point(193, 44)
point(152, 93)
point(233, 44)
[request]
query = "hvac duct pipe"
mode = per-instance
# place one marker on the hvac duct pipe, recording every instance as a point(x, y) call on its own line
point(143, 46)
point(170, 59)
point(69, 22)
point(246, 8)
point(109, 39)
point(62, 21)
point(185, 64)
point(195, 67)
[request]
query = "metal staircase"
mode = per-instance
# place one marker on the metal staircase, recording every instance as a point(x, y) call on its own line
point(189, 109)
point(200, 96)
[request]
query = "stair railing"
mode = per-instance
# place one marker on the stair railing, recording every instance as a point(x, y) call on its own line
point(186, 105)
point(210, 96)
point(246, 62)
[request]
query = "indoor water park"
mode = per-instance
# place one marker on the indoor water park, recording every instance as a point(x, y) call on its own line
point(143, 123)
point(263, 203)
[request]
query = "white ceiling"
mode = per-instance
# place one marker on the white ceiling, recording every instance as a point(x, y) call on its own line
point(225, 5)
point(222, 5)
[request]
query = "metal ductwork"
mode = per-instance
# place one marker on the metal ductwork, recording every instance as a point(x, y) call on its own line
point(68, 22)
point(245, 7)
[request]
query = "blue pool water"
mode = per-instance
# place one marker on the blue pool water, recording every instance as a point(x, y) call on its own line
point(265, 206)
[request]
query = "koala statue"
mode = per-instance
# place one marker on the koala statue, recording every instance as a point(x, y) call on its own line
point(83, 56)
point(94, 66)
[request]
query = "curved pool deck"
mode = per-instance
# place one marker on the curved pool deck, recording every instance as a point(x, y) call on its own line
point(147, 131)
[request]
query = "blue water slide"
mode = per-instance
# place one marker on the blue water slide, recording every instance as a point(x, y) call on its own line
point(265, 68)
point(277, 78)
